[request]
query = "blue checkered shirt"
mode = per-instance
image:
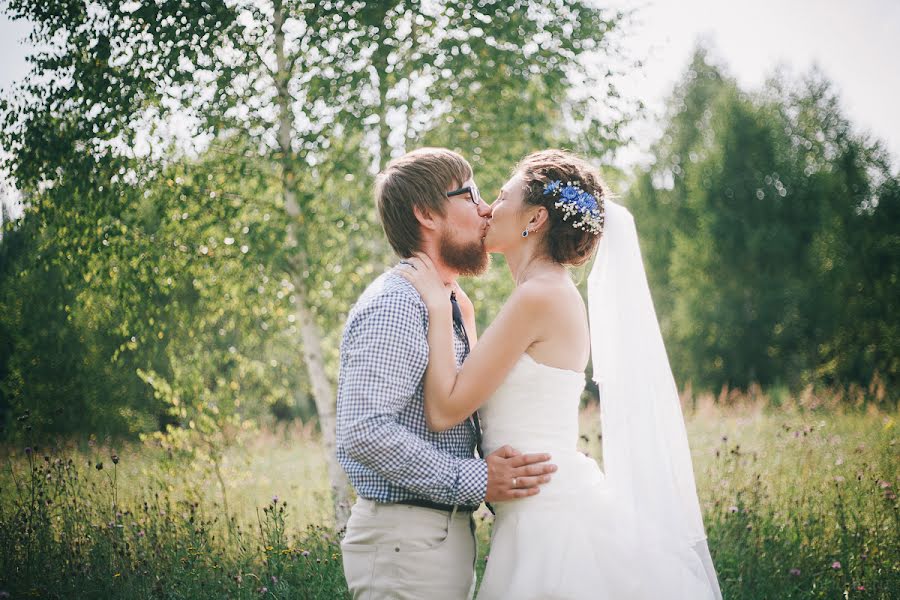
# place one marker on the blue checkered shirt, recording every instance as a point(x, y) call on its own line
point(383, 442)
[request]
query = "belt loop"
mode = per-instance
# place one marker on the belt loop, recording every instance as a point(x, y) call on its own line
point(450, 519)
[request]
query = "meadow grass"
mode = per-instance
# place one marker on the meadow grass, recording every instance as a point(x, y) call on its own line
point(799, 502)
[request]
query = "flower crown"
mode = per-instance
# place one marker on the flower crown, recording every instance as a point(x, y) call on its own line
point(575, 202)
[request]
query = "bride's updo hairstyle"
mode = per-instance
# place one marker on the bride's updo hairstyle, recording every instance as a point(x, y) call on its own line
point(567, 242)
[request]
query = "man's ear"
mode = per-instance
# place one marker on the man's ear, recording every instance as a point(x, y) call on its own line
point(425, 218)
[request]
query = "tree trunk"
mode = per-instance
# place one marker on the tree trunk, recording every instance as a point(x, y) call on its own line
point(310, 335)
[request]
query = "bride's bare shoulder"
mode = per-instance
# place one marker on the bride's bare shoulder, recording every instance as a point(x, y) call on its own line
point(547, 293)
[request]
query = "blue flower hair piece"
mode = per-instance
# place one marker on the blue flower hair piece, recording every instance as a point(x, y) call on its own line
point(585, 208)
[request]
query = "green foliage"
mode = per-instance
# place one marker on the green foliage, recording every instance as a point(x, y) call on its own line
point(65, 533)
point(149, 285)
point(785, 495)
point(766, 227)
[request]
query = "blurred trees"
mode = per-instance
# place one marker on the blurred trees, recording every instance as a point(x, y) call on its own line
point(769, 230)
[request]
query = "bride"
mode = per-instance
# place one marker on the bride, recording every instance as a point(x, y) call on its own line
point(635, 530)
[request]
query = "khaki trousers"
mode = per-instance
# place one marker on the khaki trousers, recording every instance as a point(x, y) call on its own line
point(408, 552)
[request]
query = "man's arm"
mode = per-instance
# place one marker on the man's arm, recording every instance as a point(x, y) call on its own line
point(383, 360)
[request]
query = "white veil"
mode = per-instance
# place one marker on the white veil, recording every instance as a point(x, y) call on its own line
point(645, 448)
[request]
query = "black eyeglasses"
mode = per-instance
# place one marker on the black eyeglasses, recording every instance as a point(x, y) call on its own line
point(472, 190)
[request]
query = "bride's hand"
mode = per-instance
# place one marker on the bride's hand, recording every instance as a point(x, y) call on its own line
point(421, 272)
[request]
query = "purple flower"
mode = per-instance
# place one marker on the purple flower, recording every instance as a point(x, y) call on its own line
point(304, 553)
point(836, 565)
point(28, 451)
point(732, 509)
point(795, 572)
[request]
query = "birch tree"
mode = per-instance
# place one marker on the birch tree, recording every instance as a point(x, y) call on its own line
point(315, 86)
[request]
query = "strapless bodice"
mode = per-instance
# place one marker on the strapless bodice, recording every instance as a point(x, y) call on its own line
point(534, 410)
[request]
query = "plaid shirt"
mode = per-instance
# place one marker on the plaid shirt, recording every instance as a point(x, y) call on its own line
point(383, 442)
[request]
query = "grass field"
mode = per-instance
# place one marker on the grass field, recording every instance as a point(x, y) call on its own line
point(799, 502)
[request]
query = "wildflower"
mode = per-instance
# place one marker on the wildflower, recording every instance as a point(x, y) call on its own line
point(304, 553)
point(274, 499)
point(836, 565)
point(115, 459)
point(263, 590)
point(141, 533)
point(99, 466)
point(4, 594)
point(28, 451)
point(795, 572)
point(732, 509)
point(860, 588)
point(274, 580)
point(838, 479)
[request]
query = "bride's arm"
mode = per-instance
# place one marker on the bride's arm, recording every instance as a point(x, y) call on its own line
point(451, 396)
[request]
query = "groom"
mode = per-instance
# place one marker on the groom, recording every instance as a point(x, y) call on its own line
point(411, 532)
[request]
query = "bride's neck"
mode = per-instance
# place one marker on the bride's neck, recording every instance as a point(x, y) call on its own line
point(526, 265)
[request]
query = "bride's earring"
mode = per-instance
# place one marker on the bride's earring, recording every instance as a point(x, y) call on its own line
point(525, 233)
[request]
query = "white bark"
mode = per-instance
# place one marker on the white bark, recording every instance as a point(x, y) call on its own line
point(310, 334)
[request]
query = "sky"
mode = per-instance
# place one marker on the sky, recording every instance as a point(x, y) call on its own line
point(854, 43)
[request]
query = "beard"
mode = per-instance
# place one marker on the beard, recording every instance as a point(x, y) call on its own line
point(468, 259)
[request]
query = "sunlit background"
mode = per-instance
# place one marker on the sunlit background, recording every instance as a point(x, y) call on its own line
point(187, 218)
point(855, 44)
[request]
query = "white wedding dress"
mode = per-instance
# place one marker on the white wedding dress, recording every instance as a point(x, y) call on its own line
point(575, 539)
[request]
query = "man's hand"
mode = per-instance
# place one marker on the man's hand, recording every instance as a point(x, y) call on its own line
point(512, 474)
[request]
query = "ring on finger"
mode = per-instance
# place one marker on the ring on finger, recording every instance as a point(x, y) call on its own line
point(408, 264)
